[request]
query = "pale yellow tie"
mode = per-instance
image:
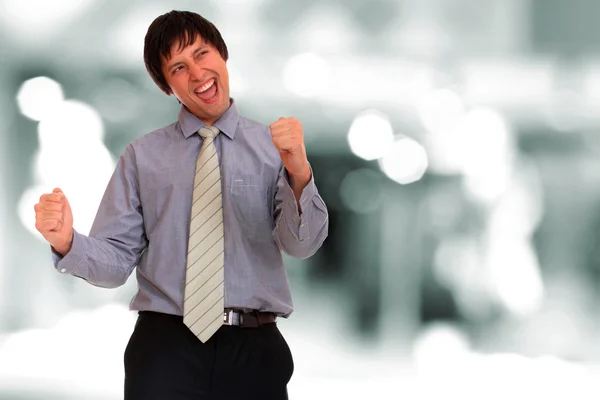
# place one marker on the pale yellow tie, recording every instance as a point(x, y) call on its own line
point(204, 292)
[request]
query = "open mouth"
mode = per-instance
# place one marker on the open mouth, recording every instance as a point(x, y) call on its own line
point(208, 92)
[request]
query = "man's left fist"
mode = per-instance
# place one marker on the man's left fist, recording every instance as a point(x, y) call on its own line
point(289, 140)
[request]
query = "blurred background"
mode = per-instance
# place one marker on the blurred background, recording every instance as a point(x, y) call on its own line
point(455, 142)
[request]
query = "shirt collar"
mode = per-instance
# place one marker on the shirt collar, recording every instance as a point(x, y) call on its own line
point(227, 123)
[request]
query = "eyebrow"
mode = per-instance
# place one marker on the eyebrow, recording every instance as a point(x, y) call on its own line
point(201, 47)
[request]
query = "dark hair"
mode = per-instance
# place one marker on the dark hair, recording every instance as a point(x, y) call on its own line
point(181, 27)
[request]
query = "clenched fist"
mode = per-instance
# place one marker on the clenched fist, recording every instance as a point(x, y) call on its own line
point(288, 138)
point(54, 220)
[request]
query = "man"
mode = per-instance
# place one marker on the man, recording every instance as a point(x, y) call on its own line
point(204, 208)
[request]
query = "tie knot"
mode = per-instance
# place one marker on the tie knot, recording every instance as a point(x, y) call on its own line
point(208, 132)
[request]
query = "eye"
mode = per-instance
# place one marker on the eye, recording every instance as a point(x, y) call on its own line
point(177, 69)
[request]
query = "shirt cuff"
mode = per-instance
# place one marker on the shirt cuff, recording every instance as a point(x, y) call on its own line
point(298, 223)
point(69, 263)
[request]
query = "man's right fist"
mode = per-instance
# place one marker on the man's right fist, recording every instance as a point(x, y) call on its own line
point(54, 220)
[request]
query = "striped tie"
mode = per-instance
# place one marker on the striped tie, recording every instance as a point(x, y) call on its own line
point(203, 304)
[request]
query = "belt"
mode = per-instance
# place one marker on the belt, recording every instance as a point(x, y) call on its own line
point(251, 319)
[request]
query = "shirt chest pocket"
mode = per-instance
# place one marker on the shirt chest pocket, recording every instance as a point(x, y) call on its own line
point(250, 197)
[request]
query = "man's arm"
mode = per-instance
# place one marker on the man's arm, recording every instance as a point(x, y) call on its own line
point(301, 218)
point(117, 238)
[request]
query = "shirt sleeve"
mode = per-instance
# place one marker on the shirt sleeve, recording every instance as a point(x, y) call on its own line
point(117, 238)
point(299, 235)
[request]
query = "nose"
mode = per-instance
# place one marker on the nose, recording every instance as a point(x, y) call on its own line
point(196, 72)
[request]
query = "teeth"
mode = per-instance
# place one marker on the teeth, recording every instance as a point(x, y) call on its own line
point(206, 86)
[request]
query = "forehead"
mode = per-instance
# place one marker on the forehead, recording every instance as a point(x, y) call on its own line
point(180, 45)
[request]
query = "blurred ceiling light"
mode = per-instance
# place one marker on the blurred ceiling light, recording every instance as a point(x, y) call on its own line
point(370, 135)
point(398, 81)
point(487, 153)
point(71, 156)
point(361, 190)
point(455, 261)
point(515, 273)
point(39, 97)
point(513, 83)
point(72, 124)
point(488, 187)
point(521, 208)
point(486, 135)
point(307, 75)
point(405, 162)
point(445, 150)
point(440, 110)
point(510, 258)
point(84, 186)
point(40, 18)
point(83, 167)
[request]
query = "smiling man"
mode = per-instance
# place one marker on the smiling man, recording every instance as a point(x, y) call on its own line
point(203, 208)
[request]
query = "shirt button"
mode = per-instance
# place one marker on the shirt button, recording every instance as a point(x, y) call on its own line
point(63, 270)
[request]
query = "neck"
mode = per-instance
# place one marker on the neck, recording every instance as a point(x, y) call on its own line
point(210, 120)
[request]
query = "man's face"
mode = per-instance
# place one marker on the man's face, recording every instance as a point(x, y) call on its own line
point(198, 77)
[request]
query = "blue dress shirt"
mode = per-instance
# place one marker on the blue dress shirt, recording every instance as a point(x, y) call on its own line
point(143, 218)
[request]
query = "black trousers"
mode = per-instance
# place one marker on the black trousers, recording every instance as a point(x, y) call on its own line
point(165, 361)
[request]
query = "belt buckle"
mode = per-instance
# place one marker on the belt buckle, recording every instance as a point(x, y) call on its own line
point(228, 317)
